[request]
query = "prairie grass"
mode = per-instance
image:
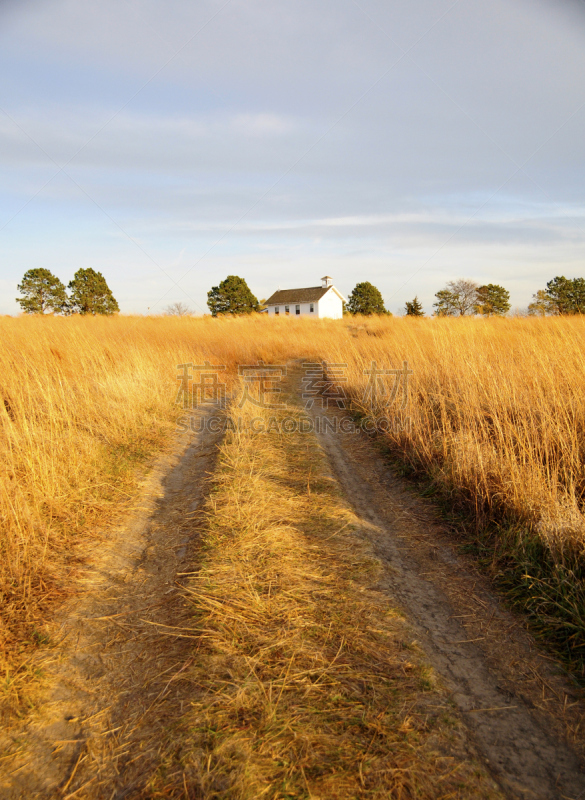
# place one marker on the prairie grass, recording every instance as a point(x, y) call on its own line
point(497, 426)
point(84, 402)
point(305, 682)
point(495, 409)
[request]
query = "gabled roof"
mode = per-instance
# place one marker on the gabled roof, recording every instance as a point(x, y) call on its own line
point(289, 296)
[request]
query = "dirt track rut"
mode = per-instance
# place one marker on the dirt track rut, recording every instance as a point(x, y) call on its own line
point(117, 673)
point(524, 746)
point(115, 676)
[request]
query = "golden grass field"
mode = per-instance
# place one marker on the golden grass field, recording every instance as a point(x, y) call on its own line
point(305, 682)
point(497, 432)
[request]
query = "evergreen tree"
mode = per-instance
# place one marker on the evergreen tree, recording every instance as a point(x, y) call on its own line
point(366, 299)
point(566, 295)
point(414, 308)
point(232, 296)
point(42, 292)
point(561, 296)
point(558, 293)
point(90, 294)
point(492, 299)
point(445, 304)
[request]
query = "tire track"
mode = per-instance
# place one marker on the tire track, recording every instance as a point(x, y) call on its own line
point(521, 748)
point(116, 678)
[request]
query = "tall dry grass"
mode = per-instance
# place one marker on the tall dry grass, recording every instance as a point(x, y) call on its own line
point(304, 682)
point(496, 421)
point(83, 402)
point(81, 397)
point(495, 409)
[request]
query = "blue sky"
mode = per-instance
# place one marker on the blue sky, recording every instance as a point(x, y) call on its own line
point(404, 143)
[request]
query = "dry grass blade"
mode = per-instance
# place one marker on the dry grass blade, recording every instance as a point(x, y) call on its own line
point(494, 421)
point(304, 687)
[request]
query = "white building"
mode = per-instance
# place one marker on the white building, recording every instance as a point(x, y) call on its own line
point(315, 301)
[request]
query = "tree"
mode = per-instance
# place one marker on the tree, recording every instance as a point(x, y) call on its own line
point(558, 293)
point(366, 299)
point(414, 308)
point(232, 296)
point(178, 310)
point(445, 305)
point(458, 298)
point(561, 296)
point(566, 295)
point(492, 299)
point(541, 304)
point(42, 292)
point(90, 294)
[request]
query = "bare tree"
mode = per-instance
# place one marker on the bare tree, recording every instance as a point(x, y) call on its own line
point(178, 310)
point(458, 298)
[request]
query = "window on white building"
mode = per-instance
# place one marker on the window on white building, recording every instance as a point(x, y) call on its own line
point(312, 307)
point(286, 309)
point(297, 309)
point(276, 310)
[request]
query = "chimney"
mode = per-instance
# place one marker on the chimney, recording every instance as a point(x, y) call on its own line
point(327, 281)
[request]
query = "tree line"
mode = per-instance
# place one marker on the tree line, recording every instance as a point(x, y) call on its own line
point(43, 292)
point(463, 297)
point(459, 298)
point(89, 293)
point(233, 296)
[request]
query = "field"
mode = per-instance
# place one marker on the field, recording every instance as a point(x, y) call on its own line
point(490, 424)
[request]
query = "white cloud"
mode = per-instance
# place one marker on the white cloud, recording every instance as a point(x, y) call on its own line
point(293, 138)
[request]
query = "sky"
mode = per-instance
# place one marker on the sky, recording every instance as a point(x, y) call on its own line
point(402, 142)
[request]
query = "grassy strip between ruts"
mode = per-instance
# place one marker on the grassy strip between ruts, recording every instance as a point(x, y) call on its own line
point(306, 682)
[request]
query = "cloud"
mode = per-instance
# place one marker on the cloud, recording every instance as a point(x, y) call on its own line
point(294, 138)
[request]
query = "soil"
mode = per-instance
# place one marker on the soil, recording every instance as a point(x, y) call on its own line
point(113, 674)
point(116, 670)
point(524, 714)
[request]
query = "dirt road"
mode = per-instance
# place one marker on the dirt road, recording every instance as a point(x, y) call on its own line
point(524, 715)
point(114, 672)
point(117, 673)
